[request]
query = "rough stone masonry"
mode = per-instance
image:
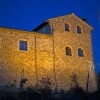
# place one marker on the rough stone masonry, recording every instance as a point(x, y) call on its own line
point(51, 51)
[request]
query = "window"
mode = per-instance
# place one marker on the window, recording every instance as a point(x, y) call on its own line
point(80, 52)
point(78, 29)
point(68, 51)
point(23, 45)
point(66, 27)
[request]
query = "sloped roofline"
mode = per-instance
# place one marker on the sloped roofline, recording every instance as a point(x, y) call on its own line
point(82, 21)
point(72, 15)
point(60, 16)
point(40, 26)
point(48, 21)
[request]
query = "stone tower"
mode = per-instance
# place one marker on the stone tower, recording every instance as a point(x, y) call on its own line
point(56, 49)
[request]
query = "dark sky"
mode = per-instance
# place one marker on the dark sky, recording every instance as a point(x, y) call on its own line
point(28, 14)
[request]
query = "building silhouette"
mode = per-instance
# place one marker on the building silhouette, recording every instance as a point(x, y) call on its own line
point(55, 49)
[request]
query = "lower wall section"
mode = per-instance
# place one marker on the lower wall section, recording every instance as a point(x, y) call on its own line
point(16, 67)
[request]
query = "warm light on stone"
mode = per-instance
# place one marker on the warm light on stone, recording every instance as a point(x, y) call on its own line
point(46, 52)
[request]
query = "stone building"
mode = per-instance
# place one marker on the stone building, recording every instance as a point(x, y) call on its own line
point(56, 49)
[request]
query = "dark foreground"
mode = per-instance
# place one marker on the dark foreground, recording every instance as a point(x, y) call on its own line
point(31, 94)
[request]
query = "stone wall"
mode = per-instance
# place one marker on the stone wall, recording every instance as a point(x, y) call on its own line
point(67, 65)
point(46, 55)
point(13, 60)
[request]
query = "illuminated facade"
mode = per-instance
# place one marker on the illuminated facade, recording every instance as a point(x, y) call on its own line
point(56, 49)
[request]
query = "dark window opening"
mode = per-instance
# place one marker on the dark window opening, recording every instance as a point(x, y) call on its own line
point(68, 51)
point(78, 29)
point(66, 27)
point(23, 45)
point(80, 52)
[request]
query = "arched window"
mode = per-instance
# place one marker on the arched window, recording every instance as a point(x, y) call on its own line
point(66, 27)
point(78, 29)
point(68, 51)
point(80, 52)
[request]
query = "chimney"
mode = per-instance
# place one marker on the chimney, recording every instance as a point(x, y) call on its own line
point(84, 19)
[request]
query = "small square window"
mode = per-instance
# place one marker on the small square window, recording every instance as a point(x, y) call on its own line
point(23, 45)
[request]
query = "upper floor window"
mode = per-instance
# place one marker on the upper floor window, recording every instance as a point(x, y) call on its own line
point(78, 29)
point(80, 52)
point(66, 27)
point(68, 51)
point(23, 45)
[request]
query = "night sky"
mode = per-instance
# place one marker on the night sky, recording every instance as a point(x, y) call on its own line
point(28, 14)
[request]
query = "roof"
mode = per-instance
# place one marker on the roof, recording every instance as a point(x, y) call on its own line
point(12, 31)
point(40, 26)
point(50, 19)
